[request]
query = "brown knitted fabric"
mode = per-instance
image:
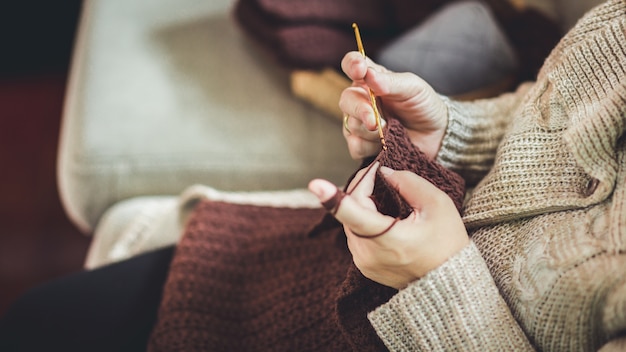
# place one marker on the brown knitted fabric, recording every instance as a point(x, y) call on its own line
point(316, 34)
point(367, 12)
point(302, 34)
point(401, 154)
point(250, 278)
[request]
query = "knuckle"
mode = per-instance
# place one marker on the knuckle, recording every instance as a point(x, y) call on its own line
point(360, 227)
point(442, 200)
point(361, 112)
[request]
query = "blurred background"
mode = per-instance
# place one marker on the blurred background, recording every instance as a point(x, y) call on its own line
point(37, 241)
point(164, 68)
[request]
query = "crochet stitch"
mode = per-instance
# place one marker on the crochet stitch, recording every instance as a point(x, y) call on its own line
point(268, 279)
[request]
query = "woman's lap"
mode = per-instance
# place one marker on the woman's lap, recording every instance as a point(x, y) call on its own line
point(112, 308)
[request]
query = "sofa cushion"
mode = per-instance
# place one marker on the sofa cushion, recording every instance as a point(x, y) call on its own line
point(458, 49)
point(164, 94)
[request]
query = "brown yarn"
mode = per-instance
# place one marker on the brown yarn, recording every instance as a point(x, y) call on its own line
point(251, 278)
point(332, 205)
point(393, 223)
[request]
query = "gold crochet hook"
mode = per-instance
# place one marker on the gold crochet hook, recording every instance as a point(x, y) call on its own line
point(359, 43)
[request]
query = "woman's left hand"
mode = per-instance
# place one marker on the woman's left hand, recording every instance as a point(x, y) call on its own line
point(411, 247)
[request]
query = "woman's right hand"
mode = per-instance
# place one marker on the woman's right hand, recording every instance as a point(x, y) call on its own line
point(405, 96)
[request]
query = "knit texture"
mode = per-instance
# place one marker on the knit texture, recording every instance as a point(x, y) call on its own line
point(302, 34)
point(402, 155)
point(251, 278)
point(434, 324)
point(581, 84)
point(547, 215)
point(312, 34)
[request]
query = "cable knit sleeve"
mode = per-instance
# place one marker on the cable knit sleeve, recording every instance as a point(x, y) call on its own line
point(456, 307)
point(474, 132)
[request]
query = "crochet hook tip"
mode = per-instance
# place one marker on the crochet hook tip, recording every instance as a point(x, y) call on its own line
point(359, 43)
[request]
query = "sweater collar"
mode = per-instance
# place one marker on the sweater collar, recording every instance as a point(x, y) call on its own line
point(591, 81)
point(584, 85)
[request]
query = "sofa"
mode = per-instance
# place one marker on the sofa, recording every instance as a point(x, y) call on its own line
point(170, 101)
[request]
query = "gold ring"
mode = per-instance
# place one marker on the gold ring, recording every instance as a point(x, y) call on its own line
point(345, 123)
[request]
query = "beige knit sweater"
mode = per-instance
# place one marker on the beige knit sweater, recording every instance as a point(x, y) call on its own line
point(546, 268)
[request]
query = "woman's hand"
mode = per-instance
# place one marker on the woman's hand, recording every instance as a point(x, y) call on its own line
point(411, 247)
point(402, 95)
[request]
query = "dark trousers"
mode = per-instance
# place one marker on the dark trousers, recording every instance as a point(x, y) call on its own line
point(112, 308)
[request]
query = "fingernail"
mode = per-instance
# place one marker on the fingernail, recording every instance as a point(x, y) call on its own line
point(372, 120)
point(316, 189)
point(322, 190)
point(386, 171)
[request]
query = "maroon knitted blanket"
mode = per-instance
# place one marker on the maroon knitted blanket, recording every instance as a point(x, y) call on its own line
point(302, 34)
point(250, 278)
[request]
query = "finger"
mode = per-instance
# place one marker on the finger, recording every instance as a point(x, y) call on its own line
point(360, 148)
point(358, 128)
point(363, 219)
point(364, 71)
point(357, 131)
point(362, 140)
point(362, 184)
point(355, 102)
point(323, 189)
point(354, 65)
point(416, 190)
point(395, 84)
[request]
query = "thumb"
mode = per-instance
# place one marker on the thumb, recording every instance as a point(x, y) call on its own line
point(396, 85)
point(416, 190)
point(358, 217)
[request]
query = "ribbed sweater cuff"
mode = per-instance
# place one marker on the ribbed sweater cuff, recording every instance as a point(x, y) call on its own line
point(465, 149)
point(455, 307)
point(474, 132)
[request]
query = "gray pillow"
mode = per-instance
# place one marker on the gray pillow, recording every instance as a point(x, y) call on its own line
point(458, 49)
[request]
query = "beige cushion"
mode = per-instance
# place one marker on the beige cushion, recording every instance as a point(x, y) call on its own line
point(164, 94)
point(141, 224)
